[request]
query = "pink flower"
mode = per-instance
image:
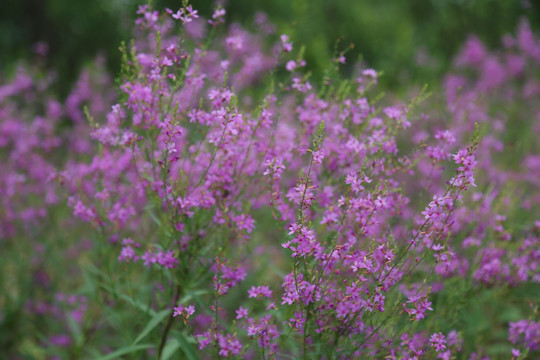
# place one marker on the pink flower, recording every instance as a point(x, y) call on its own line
point(186, 15)
point(438, 342)
point(263, 291)
point(287, 46)
point(318, 156)
point(291, 65)
point(241, 313)
point(185, 312)
point(178, 310)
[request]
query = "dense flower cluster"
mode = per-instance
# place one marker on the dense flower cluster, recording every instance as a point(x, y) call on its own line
point(275, 218)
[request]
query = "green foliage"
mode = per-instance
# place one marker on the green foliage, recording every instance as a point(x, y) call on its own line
point(387, 35)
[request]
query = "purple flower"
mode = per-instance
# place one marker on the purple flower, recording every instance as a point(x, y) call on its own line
point(287, 46)
point(257, 291)
point(438, 342)
point(241, 313)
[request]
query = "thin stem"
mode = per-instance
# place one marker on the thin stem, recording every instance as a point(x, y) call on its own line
point(213, 156)
point(169, 324)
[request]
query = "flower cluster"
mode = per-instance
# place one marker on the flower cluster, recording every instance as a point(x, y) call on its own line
point(302, 221)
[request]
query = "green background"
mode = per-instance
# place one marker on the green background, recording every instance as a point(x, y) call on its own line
point(387, 35)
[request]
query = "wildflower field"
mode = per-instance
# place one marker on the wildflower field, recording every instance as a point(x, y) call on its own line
point(216, 198)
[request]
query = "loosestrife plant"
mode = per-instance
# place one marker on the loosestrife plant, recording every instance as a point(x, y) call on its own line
point(239, 211)
point(40, 240)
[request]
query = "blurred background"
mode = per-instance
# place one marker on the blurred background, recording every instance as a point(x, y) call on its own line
point(410, 41)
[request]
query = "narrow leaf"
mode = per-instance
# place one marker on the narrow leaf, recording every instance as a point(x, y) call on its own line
point(187, 348)
point(170, 349)
point(156, 319)
point(124, 351)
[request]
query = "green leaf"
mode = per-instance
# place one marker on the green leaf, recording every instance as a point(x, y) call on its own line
point(156, 319)
point(143, 307)
point(194, 294)
point(170, 349)
point(126, 350)
point(75, 330)
point(187, 348)
point(153, 215)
